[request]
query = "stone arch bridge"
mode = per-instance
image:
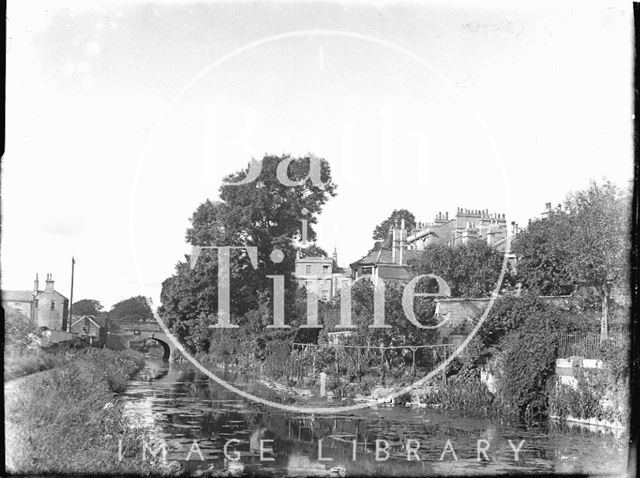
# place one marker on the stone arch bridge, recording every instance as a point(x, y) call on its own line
point(125, 333)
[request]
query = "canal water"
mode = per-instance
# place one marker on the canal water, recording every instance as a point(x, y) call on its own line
point(179, 405)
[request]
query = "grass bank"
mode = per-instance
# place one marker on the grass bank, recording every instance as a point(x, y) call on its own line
point(21, 362)
point(68, 419)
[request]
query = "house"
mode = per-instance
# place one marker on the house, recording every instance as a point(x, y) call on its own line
point(44, 308)
point(324, 272)
point(467, 225)
point(388, 260)
point(391, 259)
point(90, 328)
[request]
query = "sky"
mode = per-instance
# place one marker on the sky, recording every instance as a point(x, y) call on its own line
point(122, 117)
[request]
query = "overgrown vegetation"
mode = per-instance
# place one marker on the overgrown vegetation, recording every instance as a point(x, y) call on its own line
point(601, 394)
point(20, 362)
point(21, 356)
point(68, 419)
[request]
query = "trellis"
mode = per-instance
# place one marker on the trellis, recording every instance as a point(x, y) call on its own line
point(290, 359)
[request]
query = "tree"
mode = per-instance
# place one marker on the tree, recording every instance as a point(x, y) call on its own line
point(87, 307)
point(470, 270)
point(265, 214)
point(585, 244)
point(599, 241)
point(17, 329)
point(134, 309)
point(381, 232)
point(313, 251)
point(543, 255)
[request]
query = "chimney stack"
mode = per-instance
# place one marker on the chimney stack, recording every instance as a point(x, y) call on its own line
point(399, 244)
point(402, 243)
point(393, 245)
point(49, 284)
point(36, 285)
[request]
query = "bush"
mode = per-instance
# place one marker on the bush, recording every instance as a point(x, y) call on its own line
point(528, 364)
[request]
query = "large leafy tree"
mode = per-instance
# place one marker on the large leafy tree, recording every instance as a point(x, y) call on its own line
point(87, 307)
point(599, 241)
point(543, 252)
point(470, 270)
point(265, 214)
point(585, 244)
point(381, 231)
point(133, 309)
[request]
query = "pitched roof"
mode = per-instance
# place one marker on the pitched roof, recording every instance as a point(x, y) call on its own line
point(42, 293)
point(384, 256)
point(17, 296)
point(98, 321)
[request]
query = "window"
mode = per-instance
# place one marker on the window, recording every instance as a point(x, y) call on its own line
point(308, 269)
point(35, 303)
point(366, 270)
point(325, 269)
point(53, 305)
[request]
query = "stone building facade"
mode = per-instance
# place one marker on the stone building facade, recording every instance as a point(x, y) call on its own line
point(43, 308)
point(323, 273)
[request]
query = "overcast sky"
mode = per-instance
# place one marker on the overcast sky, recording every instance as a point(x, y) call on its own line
point(122, 117)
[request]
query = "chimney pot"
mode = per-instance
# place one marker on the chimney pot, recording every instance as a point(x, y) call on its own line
point(49, 284)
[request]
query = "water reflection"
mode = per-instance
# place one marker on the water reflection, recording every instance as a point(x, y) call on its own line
point(181, 405)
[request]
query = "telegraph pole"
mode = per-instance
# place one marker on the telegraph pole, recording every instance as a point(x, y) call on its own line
point(73, 264)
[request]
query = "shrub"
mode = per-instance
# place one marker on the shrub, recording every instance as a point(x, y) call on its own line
point(528, 364)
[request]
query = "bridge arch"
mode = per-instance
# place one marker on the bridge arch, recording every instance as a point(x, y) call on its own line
point(138, 332)
point(167, 351)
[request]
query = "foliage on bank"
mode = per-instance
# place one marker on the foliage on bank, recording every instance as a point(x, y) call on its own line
point(21, 357)
point(600, 393)
point(68, 419)
point(518, 346)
